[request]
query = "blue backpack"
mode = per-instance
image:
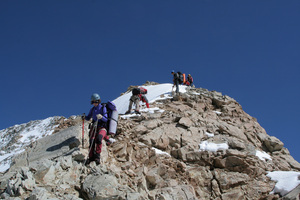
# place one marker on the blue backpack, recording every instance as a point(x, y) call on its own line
point(110, 107)
point(112, 114)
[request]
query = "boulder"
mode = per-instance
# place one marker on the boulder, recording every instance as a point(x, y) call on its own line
point(152, 124)
point(40, 194)
point(101, 186)
point(230, 179)
point(273, 144)
point(186, 122)
point(176, 192)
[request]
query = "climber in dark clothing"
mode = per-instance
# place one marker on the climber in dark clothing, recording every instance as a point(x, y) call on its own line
point(175, 81)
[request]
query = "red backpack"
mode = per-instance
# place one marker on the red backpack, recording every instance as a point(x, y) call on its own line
point(140, 90)
point(143, 90)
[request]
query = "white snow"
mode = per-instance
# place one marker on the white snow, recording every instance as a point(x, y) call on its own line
point(157, 151)
point(209, 134)
point(263, 155)
point(196, 93)
point(129, 116)
point(38, 131)
point(210, 146)
point(152, 110)
point(218, 112)
point(286, 181)
point(4, 166)
point(149, 110)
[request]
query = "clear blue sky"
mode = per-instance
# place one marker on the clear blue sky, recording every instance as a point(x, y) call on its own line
point(55, 54)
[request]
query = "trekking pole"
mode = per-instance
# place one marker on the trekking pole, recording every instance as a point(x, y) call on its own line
point(83, 116)
point(93, 139)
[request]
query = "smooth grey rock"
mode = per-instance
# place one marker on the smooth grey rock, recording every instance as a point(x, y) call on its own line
point(294, 194)
point(49, 147)
point(39, 194)
point(101, 186)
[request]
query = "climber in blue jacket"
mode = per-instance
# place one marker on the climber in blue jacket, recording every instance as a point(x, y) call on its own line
point(98, 132)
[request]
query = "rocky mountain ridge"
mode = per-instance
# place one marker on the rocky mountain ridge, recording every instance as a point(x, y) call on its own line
point(158, 155)
point(16, 138)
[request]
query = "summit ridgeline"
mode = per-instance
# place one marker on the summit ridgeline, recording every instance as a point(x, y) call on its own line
point(196, 145)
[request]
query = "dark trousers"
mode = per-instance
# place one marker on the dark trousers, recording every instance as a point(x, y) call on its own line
point(177, 86)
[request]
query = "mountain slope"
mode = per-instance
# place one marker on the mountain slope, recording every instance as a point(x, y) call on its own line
point(199, 145)
point(16, 138)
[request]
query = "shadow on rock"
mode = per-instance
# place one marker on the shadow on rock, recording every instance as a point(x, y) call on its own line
point(71, 143)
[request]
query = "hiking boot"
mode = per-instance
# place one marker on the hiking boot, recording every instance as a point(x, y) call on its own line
point(137, 112)
point(97, 161)
point(88, 161)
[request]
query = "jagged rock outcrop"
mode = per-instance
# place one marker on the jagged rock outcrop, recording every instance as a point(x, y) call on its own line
point(157, 156)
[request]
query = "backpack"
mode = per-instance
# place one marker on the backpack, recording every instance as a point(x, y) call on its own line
point(143, 90)
point(140, 90)
point(136, 91)
point(112, 114)
point(180, 77)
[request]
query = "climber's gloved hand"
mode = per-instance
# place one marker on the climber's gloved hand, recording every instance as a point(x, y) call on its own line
point(99, 116)
point(110, 141)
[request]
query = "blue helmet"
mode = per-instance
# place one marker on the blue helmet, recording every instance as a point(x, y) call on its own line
point(172, 71)
point(95, 97)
